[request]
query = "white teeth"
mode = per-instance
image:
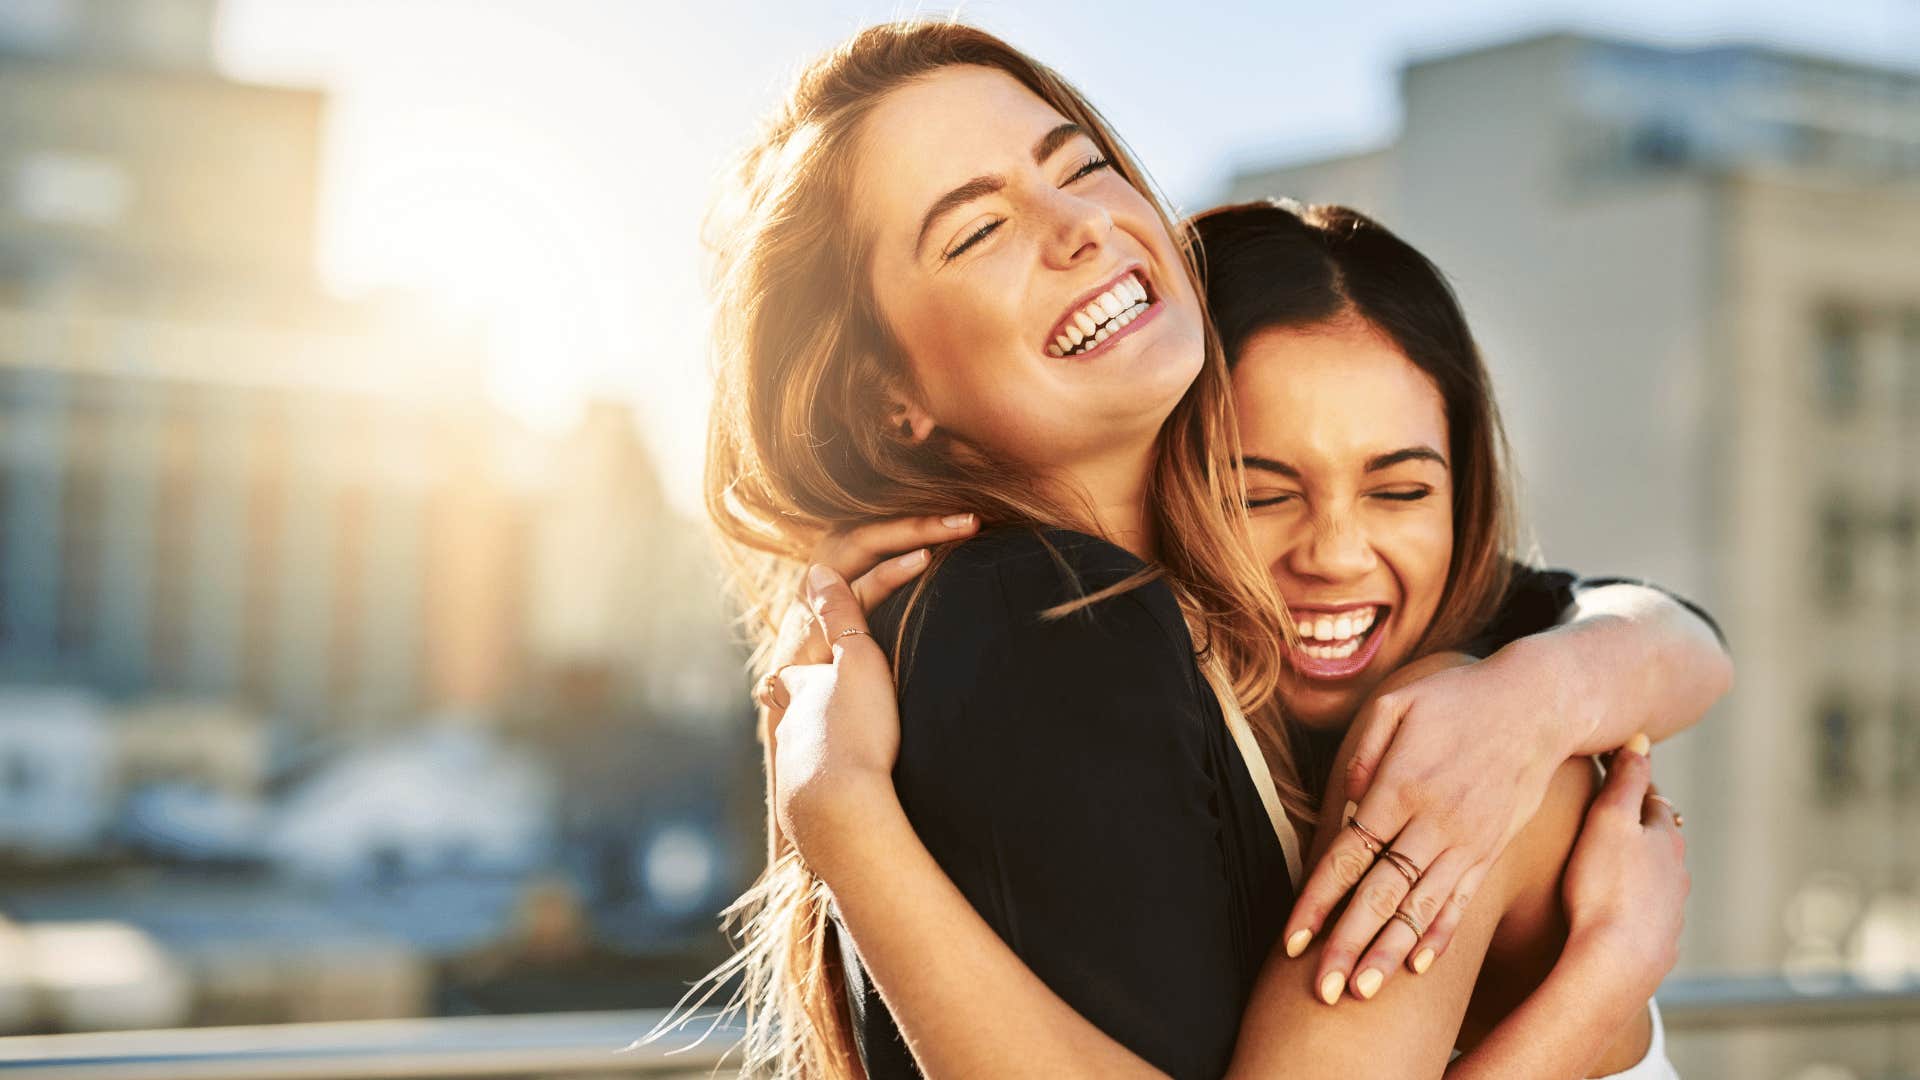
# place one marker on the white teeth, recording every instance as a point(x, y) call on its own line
point(1055, 350)
point(1102, 317)
point(1084, 324)
point(1110, 304)
point(1064, 342)
point(1074, 334)
point(1347, 627)
point(1102, 335)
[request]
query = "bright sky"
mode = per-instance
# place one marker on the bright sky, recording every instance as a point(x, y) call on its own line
point(543, 165)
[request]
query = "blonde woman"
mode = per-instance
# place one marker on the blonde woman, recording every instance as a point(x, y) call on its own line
point(905, 259)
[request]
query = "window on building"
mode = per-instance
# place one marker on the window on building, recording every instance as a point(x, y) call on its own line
point(1903, 534)
point(1909, 364)
point(1903, 747)
point(1836, 774)
point(1837, 354)
point(19, 778)
point(1837, 560)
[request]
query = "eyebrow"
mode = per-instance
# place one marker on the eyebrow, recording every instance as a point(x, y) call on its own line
point(980, 186)
point(1374, 464)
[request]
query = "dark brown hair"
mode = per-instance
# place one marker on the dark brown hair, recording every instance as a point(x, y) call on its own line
point(1278, 264)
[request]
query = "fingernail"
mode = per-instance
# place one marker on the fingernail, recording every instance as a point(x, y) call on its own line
point(1331, 986)
point(913, 558)
point(1640, 744)
point(1347, 815)
point(1423, 961)
point(1297, 944)
point(1367, 983)
point(818, 577)
point(957, 521)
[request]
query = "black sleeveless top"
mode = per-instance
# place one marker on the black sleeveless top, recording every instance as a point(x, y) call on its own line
point(1077, 781)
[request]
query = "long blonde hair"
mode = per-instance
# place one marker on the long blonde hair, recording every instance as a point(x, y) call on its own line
point(799, 445)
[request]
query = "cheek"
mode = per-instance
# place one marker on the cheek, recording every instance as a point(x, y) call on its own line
point(1422, 554)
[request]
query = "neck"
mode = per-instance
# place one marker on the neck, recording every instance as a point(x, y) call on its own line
point(1115, 489)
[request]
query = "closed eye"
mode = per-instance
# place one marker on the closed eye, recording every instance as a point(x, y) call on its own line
point(1092, 165)
point(1414, 495)
point(1259, 502)
point(975, 237)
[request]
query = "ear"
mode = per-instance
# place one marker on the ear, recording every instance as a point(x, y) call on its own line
point(908, 419)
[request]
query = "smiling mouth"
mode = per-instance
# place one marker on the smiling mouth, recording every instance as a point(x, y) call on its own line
point(1105, 315)
point(1339, 637)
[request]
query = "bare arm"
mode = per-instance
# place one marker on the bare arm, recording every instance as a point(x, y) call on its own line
point(965, 1002)
point(1409, 1027)
point(1454, 763)
point(1627, 658)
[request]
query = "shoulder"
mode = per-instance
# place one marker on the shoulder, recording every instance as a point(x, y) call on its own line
point(996, 591)
point(984, 663)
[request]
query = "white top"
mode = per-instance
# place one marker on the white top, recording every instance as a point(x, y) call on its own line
point(1654, 1066)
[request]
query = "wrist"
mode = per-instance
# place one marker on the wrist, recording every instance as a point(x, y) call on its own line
point(1614, 962)
point(838, 829)
point(1547, 660)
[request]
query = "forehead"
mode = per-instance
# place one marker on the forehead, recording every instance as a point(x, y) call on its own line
point(1333, 390)
point(937, 132)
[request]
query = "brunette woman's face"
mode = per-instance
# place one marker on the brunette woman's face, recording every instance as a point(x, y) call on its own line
point(1045, 311)
point(1351, 496)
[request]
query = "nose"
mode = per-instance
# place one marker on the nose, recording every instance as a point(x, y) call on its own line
point(1078, 229)
point(1334, 548)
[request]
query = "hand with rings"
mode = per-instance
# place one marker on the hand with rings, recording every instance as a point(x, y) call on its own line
point(877, 558)
point(836, 741)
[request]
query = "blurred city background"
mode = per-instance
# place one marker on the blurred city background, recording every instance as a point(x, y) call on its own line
point(363, 657)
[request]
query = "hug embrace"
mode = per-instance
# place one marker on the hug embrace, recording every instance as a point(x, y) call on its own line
point(1151, 683)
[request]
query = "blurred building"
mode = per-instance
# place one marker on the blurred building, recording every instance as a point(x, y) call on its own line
point(1696, 276)
point(217, 483)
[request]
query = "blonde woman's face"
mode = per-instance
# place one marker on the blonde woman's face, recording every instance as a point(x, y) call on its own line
point(1344, 446)
point(1044, 309)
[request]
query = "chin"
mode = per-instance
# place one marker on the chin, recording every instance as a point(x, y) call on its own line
point(1319, 708)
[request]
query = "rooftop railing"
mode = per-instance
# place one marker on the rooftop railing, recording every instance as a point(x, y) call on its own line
point(581, 1045)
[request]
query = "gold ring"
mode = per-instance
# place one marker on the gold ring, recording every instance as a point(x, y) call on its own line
point(1418, 933)
point(1375, 845)
point(850, 631)
point(763, 693)
point(1405, 865)
point(1679, 821)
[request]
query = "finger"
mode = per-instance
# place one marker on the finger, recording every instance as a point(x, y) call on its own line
point(1433, 944)
point(878, 583)
point(1377, 723)
point(1625, 789)
point(855, 551)
point(1396, 940)
point(1345, 862)
point(1379, 895)
point(836, 609)
point(1655, 811)
point(1374, 901)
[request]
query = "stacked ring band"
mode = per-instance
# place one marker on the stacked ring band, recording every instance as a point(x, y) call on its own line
point(1404, 865)
point(1375, 845)
point(1418, 931)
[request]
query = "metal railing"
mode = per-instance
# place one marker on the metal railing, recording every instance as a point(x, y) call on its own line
point(598, 1044)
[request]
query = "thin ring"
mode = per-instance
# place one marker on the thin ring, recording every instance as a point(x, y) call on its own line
point(849, 631)
point(1418, 931)
point(1679, 820)
point(1375, 845)
point(763, 693)
point(1405, 865)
